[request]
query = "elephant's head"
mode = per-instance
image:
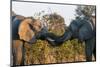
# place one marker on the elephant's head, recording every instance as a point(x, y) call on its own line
point(37, 25)
point(26, 32)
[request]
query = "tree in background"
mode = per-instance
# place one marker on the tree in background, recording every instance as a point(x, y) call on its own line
point(85, 10)
point(52, 21)
point(55, 23)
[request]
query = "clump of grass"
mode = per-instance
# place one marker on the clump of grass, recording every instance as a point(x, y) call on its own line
point(43, 53)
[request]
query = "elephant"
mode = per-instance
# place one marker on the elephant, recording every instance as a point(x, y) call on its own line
point(81, 28)
point(16, 43)
point(24, 29)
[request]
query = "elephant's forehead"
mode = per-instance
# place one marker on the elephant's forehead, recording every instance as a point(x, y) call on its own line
point(37, 22)
point(27, 20)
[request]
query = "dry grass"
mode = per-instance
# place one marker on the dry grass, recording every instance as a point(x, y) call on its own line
point(43, 53)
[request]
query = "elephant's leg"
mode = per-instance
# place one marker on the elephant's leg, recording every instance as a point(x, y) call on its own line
point(94, 52)
point(13, 54)
point(89, 46)
point(17, 48)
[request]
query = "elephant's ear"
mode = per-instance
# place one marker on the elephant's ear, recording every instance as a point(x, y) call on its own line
point(85, 32)
point(24, 31)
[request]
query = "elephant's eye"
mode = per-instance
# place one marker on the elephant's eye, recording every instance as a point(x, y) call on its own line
point(39, 26)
